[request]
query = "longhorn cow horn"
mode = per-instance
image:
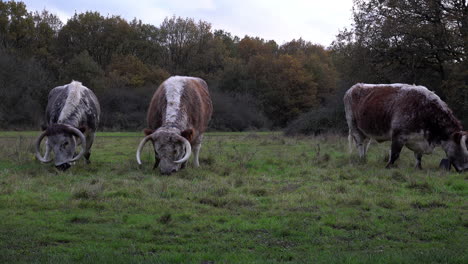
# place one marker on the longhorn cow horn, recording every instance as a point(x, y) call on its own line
point(46, 158)
point(140, 147)
point(463, 145)
point(188, 150)
point(83, 142)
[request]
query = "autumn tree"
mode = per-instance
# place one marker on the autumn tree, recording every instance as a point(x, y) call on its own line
point(416, 41)
point(16, 25)
point(129, 71)
point(82, 67)
point(255, 83)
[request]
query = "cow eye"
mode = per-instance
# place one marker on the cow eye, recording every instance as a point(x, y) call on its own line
point(65, 143)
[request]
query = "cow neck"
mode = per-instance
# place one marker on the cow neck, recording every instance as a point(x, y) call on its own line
point(65, 122)
point(170, 128)
point(446, 146)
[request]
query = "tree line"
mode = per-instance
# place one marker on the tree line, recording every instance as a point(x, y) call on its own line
point(255, 83)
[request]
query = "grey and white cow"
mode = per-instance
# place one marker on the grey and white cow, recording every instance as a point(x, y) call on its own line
point(72, 116)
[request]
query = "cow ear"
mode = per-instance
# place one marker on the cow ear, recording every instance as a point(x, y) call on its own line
point(43, 127)
point(148, 131)
point(188, 134)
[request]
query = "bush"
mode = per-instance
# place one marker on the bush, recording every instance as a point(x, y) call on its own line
point(236, 113)
point(317, 121)
point(328, 118)
point(124, 108)
point(24, 86)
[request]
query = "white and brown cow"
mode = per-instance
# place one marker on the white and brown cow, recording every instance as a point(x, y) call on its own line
point(72, 113)
point(177, 117)
point(408, 115)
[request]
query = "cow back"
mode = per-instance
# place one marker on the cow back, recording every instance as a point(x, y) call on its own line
point(194, 107)
point(74, 105)
point(384, 109)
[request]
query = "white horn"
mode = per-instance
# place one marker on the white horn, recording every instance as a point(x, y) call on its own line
point(188, 151)
point(44, 159)
point(83, 142)
point(463, 145)
point(140, 147)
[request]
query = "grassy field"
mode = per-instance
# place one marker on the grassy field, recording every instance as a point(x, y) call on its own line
point(257, 198)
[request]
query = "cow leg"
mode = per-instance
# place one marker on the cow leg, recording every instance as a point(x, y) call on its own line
point(397, 146)
point(196, 151)
point(89, 143)
point(363, 147)
point(368, 144)
point(360, 139)
point(418, 157)
point(361, 142)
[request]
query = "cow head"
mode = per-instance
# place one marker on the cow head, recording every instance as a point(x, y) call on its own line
point(456, 150)
point(171, 149)
point(61, 140)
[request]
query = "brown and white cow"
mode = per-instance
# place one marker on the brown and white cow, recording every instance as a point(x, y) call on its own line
point(408, 115)
point(177, 117)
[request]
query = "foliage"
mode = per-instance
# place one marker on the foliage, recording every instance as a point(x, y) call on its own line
point(286, 81)
point(317, 121)
point(419, 41)
point(236, 113)
point(115, 58)
point(327, 119)
point(423, 42)
point(23, 91)
point(82, 67)
point(129, 71)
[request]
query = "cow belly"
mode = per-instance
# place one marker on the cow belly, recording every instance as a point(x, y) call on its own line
point(375, 125)
point(379, 137)
point(418, 143)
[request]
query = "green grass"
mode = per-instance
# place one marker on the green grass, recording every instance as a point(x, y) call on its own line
point(257, 198)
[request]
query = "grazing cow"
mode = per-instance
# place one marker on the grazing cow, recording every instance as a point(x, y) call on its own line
point(408, 115)
point(178, 115)
point(72, 113)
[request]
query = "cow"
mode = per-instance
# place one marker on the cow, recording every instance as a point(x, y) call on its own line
point(72, 113)
point(177, 117)
point(408, 115)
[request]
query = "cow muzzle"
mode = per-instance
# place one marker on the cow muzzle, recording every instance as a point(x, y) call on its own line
point(168, 172)
point(63, 166)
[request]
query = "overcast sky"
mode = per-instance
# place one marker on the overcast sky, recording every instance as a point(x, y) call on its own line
point(317, 21)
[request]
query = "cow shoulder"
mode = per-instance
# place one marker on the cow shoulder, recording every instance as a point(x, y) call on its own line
point(157, 107)
point(55, 103)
